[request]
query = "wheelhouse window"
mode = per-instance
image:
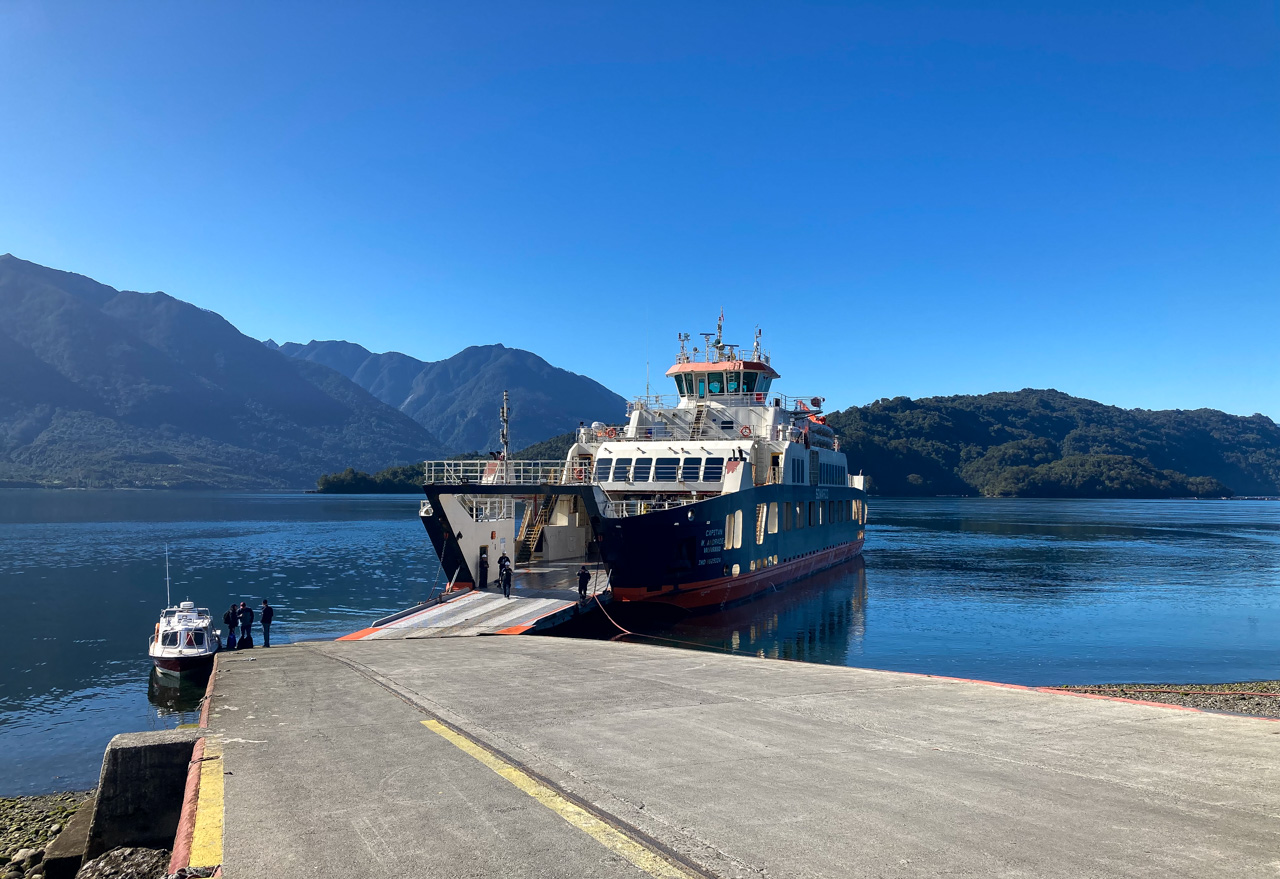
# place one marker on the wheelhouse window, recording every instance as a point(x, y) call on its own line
point(749, 380)
point(689, 470)
point(198, 637)
point(169, 639)
point(714, 470)
point(680, 389)
point(664, 469)
point(715, 382)
point(622, 470)
point(702, 386)
point(643, 466)
point(733, 382)
point(603, 465)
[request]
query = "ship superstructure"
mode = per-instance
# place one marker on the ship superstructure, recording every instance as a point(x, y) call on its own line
point(697, 499)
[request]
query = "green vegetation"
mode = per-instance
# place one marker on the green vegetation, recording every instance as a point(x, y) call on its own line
point(400, 479)
point(1034, 443)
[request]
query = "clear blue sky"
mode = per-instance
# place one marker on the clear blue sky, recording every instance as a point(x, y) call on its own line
point(909, 199)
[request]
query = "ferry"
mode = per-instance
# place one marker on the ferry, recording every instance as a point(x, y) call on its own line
point(698, 500)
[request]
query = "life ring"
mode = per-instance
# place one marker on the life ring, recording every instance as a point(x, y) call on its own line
point(745, 430)
point(611, 432)
point(579, 474)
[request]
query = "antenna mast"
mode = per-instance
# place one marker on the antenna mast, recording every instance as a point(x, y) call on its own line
point(168, 602)
point(504, 435)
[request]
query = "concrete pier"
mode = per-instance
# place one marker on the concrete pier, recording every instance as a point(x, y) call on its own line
point(558, 757)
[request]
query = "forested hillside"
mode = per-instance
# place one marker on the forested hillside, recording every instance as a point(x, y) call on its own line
point(106, 388)
point(1034, 443)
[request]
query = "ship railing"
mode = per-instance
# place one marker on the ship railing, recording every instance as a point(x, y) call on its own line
point(490, 509)
point(623, 509)
point(489, 472)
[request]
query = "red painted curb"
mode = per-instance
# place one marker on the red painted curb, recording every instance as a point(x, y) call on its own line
point(181, 856)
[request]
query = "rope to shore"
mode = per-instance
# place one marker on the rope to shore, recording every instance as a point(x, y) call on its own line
point(700, 646)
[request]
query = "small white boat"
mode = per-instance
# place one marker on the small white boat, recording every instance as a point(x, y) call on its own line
point(185, 640)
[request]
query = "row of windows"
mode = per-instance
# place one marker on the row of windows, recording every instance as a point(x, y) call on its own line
point(832, 474)
point(195, 638)
point(660, 469)
point(793, 515)
point(703, 383)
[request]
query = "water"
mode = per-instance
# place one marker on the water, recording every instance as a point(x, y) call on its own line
point(1035, 592)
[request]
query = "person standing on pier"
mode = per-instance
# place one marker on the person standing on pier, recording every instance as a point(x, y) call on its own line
point(246, 624)
point(232, 619)
point(584, 577)
point(505, 577)
point(484, 573)
point(503, 562)
point(268, 614)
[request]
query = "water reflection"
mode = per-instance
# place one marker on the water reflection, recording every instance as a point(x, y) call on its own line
point(177, 699)
point(822, 618)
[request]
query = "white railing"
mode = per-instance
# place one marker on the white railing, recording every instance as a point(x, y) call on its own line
point(486, 472)
point(622, 509)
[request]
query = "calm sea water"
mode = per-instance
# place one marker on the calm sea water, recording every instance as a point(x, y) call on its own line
point(1038, 592)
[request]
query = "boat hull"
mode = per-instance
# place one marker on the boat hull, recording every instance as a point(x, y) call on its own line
point(182, 665)
point(682, 558)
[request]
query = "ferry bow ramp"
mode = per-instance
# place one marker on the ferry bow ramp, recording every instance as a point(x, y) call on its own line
point(566, 757)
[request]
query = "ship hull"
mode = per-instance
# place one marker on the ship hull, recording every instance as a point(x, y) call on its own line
point(682, 558)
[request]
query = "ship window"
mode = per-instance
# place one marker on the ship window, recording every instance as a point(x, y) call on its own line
point(199, 638)
point(621, 469)
point(728, 531)
point(760, 523)
point(602, 469)
point(813, 514)
point(702, 386)
point(642, 469)
point(737, 532)
point(733, 381)
point(786, 517)
point(664, 469)
point(169, 639)
point(715, 382)
point(736, 570)
point(749, 381)
point(714, 470)
point(773, 518)
point(763, 386)
point(689, 470)
point(799, 516)
point(680, 384)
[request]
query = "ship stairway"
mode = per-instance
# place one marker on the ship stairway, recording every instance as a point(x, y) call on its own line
point(695, 432)
point(530, 532)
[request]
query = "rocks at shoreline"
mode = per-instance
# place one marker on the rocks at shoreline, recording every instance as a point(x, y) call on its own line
point(127, 863)
point(28, 825)
point(1233, 698)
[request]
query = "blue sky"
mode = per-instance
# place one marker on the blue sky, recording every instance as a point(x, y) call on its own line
point(908, 199)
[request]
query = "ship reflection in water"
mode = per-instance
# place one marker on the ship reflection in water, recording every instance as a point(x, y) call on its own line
point(821, 618)
point(177, 699)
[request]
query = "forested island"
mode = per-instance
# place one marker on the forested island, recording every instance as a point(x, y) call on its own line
point(1029, 443)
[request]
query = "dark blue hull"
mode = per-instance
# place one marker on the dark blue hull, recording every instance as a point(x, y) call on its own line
point(728, 548)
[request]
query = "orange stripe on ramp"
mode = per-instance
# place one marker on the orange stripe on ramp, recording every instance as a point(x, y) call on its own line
point(360, 635)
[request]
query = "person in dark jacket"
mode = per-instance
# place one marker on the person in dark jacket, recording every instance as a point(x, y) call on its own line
point(268, 614)
point(484, 573)
point(503, 563)
point(584, 577)
point(246, 624)
point(505, 577)
point(232, 619)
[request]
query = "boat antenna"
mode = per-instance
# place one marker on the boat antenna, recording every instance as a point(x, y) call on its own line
point(168, 602)
point(504, 416)
point(646, 378)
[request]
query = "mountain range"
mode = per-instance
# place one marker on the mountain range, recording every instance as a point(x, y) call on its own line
point(458, 399)
point(108, 388)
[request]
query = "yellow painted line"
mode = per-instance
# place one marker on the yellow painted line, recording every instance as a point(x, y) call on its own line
point(206, 840)
point(606, 834)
